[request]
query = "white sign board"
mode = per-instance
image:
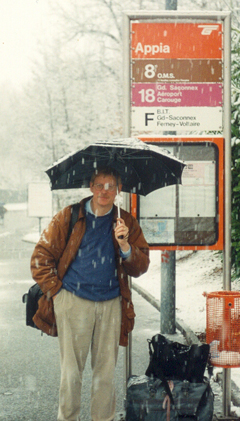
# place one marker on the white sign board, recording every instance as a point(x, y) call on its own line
point(39, 200)
point(153, 119)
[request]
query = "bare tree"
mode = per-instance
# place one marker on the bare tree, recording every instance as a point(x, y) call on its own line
point(75, 94)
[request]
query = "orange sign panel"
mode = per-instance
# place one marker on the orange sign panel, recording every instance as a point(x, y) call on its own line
point(174, 70)
point(190, 216)
point(176, 40)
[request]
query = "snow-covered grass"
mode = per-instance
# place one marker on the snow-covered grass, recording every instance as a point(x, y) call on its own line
point(195, 274)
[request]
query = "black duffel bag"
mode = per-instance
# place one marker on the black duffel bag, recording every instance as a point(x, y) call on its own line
point(35, 293)
point(175, 360)
point(31, 299)
point(147, 400)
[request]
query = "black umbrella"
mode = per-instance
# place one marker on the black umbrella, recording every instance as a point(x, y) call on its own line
point(143, 168)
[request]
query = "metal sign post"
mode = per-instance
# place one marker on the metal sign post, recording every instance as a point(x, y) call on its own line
point(168, 291)
point(227, 226)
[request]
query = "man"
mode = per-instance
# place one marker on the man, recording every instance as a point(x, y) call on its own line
point(87, 280)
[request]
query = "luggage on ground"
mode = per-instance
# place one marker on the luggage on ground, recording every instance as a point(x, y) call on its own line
point(175, 360)
point(147, 400)
point(174, 387)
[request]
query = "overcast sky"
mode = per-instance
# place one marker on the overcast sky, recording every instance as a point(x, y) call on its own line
point(22, 22)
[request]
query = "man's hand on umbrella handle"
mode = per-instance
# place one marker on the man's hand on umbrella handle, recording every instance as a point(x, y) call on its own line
point(121, 235)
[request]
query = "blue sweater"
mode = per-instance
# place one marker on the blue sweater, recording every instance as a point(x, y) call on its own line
point(93, 275)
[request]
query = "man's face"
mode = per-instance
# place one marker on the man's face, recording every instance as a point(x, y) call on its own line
point(104, 191)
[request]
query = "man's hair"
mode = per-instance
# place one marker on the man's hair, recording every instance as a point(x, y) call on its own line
point(106, 171)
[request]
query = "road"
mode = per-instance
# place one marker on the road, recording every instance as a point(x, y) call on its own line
point(29, 370)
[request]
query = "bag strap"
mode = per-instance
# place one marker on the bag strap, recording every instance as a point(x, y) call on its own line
point(150, 347)
point(160, 374)
point(165, 384)
point(73, 220)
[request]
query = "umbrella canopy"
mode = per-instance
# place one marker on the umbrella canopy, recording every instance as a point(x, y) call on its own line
point(143, 168)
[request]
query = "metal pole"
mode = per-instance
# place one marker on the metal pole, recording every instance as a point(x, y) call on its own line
point(126, 77)
point(227, 201)
point(168, 265)
point(40, 225)
point(171, 5)
point(126, 133)
point(168, 288)
point(227, 138)
point(226, 396)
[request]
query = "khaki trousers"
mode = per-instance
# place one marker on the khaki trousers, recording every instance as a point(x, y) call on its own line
point(84, 324)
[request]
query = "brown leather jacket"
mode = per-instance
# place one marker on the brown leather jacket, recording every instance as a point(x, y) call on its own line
point(52, 257)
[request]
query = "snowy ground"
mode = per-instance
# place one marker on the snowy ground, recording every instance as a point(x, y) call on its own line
point(195, 274)
point(15, 206)
point(199, 272)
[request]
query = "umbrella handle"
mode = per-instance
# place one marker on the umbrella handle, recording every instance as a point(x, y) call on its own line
point(118, 206)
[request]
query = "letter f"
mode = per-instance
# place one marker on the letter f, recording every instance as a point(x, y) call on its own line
point(147, 118)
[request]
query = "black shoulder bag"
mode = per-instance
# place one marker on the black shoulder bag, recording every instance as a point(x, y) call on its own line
point(175, 360)
point(34, 293)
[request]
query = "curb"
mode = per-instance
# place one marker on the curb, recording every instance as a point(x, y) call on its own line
point(190, 337)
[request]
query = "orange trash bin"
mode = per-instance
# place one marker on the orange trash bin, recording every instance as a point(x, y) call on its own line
point(223, 328)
